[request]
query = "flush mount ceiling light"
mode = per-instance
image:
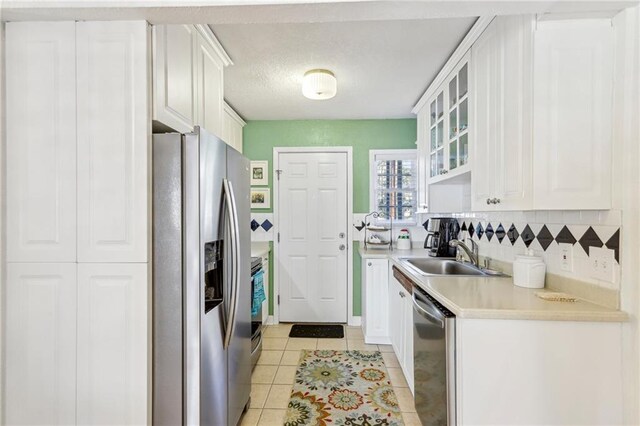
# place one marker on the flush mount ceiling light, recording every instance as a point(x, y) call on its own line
point(319, 84)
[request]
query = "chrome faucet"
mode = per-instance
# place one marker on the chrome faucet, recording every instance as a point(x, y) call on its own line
point(471, 253)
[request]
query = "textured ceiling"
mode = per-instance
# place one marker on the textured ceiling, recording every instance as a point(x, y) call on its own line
point(384, 53)
point(382, 67)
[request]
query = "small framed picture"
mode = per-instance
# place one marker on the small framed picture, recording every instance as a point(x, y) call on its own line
point(259, 173)
point(260, 198)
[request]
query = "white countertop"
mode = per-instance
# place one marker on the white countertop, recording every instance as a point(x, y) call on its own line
point(259, 248)
point(495, 297)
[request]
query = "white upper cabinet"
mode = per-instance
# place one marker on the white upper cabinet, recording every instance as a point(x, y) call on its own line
point(40, 363)
point(573, 114)
point(112, 344)
point(484, 112)
point(113, 141)
point(233, 125)
point(41, 141)
point(501, 115)
point(448, 124)
point(188, 64)
point(423, 155)
point(174, 73)
point(210, 86)
point(541, 115)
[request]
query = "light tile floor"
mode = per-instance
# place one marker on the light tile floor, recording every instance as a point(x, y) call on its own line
point(272, 379)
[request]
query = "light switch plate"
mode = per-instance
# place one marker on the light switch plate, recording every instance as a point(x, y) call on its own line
point(566, 256)
point(602, 263)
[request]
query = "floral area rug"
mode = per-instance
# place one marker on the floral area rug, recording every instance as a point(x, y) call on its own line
point(342, 388)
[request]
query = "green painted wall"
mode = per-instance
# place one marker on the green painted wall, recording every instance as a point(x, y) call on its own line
point(260, 137)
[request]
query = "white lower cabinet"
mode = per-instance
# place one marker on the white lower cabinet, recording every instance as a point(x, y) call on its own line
point(76, 339)
point(538, 372)
point(40, 342)
point(112, 344)
point(375, 301)
point(401, 326)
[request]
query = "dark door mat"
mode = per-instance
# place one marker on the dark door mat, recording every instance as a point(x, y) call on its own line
point(318, 331)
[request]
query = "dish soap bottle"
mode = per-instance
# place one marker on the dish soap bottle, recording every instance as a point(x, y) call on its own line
point(529, 271)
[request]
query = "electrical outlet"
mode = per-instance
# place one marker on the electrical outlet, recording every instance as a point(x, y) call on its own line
point(602, 262)
point(566, 256)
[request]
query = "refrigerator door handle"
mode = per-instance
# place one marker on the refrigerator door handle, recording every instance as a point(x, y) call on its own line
point(230, 201)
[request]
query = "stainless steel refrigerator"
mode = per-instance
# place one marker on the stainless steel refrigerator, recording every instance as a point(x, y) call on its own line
point(201, 281)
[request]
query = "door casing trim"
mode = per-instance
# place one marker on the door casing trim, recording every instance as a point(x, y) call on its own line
point(351, 320)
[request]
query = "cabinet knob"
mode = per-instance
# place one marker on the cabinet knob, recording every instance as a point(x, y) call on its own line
point(369, 264)
point(342, 247)
point(488, 200)
point(496, 201)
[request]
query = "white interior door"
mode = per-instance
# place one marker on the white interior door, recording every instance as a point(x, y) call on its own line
point(313, 248)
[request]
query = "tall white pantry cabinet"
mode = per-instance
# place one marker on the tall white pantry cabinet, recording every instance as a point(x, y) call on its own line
point(78, 130)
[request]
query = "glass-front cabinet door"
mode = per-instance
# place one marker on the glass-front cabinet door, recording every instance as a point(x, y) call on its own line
point(436, 134)
point(458, 135)
point(448, 123)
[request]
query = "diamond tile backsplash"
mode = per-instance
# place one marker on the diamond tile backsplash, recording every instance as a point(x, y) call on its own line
point(261, 226)
point(543, 232)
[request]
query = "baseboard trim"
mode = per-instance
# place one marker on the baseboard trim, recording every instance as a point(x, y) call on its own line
point(355, 321)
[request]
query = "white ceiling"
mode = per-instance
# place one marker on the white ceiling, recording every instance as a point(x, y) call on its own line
point(384, 53)
point(382, 67)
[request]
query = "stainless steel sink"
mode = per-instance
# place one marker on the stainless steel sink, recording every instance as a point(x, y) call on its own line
point(429, 266)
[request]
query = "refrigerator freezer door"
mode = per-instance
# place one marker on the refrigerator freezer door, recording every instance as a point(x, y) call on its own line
point(209, 169)
point(239, 351)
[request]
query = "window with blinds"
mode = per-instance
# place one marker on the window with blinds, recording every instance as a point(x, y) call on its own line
point(394, 184)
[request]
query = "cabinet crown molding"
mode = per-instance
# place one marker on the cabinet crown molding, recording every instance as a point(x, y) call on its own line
point(232, 112)
point(208, 34)
point(480, 25)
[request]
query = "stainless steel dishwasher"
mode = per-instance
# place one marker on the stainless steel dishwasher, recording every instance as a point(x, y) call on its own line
point(434, 328)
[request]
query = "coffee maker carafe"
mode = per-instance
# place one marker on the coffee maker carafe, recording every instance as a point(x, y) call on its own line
point(440, 231)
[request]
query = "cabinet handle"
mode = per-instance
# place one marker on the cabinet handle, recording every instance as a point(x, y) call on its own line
point(496, 201)
point(400, 294)
point(488, 200)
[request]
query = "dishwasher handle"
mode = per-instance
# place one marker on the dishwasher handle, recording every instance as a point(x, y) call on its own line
point(428, 311)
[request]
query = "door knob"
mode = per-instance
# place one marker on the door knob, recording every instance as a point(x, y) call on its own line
point(341, 235)
point(342, 247)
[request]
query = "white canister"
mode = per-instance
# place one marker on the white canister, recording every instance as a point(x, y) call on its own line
point(529, 271)
point(404, 240)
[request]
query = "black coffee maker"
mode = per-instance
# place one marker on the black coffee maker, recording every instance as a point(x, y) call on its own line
point(441, 230)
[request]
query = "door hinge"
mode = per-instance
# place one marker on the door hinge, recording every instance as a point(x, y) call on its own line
point(278, 173)
point(278, 237)
point(278, 299)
